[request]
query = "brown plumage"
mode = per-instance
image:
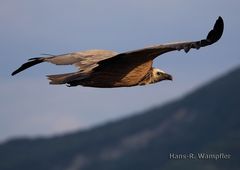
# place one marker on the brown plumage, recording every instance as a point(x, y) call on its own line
point(104, 68)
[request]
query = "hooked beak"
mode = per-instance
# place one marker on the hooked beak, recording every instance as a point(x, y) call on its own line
point(168, 77)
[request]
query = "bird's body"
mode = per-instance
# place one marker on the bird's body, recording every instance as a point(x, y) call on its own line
point(107, 69)
point(114, 76)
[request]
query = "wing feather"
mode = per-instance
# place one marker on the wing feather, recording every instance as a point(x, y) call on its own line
point(86, 61)
point(82, 59)
point(152, 52)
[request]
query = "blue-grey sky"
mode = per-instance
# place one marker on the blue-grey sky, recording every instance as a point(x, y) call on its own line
point(31, 107)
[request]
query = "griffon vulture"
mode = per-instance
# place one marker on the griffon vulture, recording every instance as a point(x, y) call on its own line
point(106, 69)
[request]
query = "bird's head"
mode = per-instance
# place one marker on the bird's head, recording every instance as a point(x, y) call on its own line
point(160, 75)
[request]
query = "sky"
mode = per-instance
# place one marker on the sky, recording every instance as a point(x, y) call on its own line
point(30, 107)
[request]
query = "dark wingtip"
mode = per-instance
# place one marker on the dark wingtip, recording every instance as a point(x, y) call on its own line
point(28, 64)
point(216, 33)
point(13, 73)
point(17, 71)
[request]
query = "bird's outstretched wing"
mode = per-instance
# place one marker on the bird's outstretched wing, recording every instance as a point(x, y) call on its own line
point(87, 60)
point(84, 60)
point(152, 52)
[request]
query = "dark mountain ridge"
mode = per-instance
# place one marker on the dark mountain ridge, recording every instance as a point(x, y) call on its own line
point(204, 121)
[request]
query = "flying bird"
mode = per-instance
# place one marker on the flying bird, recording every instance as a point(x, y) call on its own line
point(108, 69)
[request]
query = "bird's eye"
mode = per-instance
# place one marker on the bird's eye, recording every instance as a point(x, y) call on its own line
point(159, 73)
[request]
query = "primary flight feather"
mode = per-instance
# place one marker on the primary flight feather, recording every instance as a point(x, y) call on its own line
point(107, 69)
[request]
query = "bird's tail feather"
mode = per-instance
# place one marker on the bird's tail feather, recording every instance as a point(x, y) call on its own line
point(65, 78)
point(31, 62)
